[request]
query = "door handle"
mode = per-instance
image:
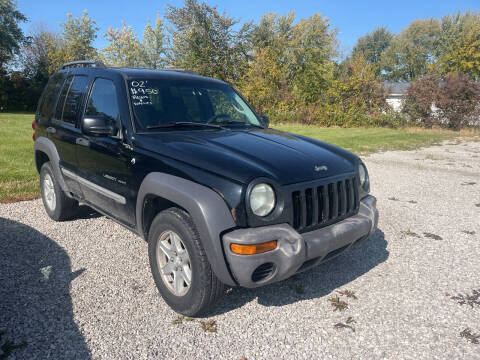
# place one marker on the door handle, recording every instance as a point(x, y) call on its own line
point(82, 142)
point(51, 130)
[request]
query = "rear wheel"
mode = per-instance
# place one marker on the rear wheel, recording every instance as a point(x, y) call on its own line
point(180, 266)
point(57, 205)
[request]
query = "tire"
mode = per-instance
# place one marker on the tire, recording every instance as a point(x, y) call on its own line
point(57, 205)
point(204, 289)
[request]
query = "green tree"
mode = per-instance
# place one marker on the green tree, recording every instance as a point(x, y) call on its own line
point(459, 45)
point(11, 35)
point(11, 39)
point(36, 62)
point(154, 45)
point(123, 47)
point(35, 58)
point(291, 65)
point(412, 53)
point(312, 47)
point(266, 82)
point(355, 98)
point(372, 46)
point(78, 36)
point(206, 41)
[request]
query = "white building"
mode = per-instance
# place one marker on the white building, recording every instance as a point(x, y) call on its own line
point(396, 93)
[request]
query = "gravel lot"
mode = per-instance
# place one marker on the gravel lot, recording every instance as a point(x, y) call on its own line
point(83, 288)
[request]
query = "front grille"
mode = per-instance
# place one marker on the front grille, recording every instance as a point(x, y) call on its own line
point(324, 204)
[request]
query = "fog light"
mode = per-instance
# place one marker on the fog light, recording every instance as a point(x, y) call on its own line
point(242, 249)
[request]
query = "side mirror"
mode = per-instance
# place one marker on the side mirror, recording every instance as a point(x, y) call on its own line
point(98, 126)
point(265, 120)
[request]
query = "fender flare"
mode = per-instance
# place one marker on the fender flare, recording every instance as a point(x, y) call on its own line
point(47, 146)
point(208, 210)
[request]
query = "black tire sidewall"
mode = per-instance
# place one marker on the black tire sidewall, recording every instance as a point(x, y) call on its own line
point(193, 300)
point(47, 169)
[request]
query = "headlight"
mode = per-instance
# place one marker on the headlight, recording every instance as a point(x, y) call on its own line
point(262, 199)
point(363, 174)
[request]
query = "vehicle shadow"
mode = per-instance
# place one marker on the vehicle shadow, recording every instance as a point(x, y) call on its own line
point(316, 282)
point(36, 317)
point(86, 212)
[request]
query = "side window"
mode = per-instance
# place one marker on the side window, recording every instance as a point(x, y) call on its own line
point(73, 99)
point(50, 95)
point(222, 103)
point(103, 101)
point(61, 98)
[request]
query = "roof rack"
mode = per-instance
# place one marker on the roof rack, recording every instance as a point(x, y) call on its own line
point(83, 63)
point(181, 70)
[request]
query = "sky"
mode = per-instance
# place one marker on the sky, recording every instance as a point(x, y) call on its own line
point(352, 18)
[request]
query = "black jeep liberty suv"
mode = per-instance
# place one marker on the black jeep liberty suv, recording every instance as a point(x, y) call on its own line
point(183, 161)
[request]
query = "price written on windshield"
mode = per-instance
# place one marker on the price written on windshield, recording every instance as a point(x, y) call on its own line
point(141, 93)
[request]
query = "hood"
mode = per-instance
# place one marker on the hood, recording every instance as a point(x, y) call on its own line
point(246, 155)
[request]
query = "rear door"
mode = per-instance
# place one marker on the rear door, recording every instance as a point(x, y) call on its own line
point(63, 129)
point(104, 162)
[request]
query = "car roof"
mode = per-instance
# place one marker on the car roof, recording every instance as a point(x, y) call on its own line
point(164, 74)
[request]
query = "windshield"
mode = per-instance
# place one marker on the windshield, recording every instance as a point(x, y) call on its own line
point(157, 103)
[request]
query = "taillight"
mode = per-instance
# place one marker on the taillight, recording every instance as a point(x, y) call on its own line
point(34, 137)
point(33, 124)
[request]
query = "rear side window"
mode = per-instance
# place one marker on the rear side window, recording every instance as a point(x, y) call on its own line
point(61, 99)
point(50, 95)
point(73, 99)
point(103, 101)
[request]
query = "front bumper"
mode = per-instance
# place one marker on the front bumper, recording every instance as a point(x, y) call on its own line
point(296, 252)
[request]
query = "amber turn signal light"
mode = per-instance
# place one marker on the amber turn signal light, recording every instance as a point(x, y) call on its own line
point(253, 249)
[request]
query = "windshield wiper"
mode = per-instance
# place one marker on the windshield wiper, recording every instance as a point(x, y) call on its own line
point(238, 122)
point(185, 123)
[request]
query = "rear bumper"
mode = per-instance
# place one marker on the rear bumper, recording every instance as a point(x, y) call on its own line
point(296, 252)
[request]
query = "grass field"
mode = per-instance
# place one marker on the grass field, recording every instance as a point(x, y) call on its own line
point(19, 179)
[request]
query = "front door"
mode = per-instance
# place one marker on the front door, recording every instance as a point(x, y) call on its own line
point(104, 163)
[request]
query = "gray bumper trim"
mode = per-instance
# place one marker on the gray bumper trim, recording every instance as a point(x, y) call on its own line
point(294, 249)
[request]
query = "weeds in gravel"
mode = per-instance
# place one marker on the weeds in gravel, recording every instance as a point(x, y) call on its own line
point(469, 183)
point(209, 326)
point(470, 300)
point(409, 233)
point(178, 321)
point(8, 347)
point(46, 272)
point(432, 157)
point(468, 232)
point(473, 338)
point(393, 198)
point(346, 326)
point(338, 304)
point(432, 236)
point(348, 293)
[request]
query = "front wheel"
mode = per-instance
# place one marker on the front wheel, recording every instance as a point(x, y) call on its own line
point(180, 266)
